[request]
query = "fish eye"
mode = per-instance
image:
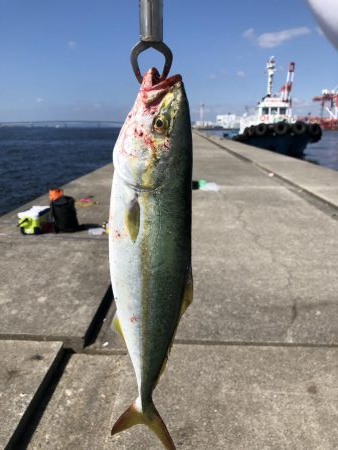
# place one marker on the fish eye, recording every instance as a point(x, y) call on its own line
point(160, 124)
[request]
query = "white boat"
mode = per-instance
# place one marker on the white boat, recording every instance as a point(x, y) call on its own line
point(273, 126)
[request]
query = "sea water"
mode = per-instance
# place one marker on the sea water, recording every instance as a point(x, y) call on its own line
point(33, 160)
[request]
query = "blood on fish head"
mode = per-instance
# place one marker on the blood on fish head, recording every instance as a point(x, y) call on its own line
point(143, 150)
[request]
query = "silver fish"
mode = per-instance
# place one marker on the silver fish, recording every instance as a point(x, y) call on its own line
point(150, 236)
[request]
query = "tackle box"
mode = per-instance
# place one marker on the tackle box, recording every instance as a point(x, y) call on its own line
point(35, 220)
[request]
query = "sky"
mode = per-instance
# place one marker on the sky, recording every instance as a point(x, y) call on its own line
point(70, 59)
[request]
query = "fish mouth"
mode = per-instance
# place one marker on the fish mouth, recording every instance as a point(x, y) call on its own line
point(153, 88)
point(142, 151)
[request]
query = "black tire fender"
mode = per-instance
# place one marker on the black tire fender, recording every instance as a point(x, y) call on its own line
point(261, 129)
point(252, 130)
point(246, 132)
point(281, 128)
point(299, 127)
point(315, 131)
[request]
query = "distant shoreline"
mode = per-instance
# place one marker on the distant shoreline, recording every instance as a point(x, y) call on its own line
point(63, 124)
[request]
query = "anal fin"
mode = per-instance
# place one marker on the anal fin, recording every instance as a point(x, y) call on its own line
point(117, 326)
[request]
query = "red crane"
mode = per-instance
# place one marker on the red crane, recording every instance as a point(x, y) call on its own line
point(329, 103)
point(287, 87)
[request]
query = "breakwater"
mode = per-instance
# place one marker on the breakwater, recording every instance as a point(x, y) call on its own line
point(260, 333)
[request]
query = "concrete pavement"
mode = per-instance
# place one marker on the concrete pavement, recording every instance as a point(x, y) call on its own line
point(255, 360)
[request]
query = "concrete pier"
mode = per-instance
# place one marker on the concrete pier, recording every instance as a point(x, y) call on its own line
point(254, 364)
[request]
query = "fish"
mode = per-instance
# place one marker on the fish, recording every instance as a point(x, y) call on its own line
point(150, 236)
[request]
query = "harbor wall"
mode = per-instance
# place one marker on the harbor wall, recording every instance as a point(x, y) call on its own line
point(261, 332)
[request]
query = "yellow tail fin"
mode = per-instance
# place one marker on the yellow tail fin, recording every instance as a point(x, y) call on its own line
point(134, 416)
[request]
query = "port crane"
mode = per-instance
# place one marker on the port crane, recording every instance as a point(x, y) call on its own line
point(329, 102)
point(287, 87)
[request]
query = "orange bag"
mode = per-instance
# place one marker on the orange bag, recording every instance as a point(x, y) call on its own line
point(54, 194)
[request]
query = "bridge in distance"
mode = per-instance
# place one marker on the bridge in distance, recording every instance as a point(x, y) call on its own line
point(65, 124)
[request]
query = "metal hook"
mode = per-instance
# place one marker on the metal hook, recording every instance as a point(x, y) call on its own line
point(151, 20)
point(159, 46)
point(151, 35)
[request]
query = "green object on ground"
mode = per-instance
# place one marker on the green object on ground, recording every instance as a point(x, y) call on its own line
point(34, 220)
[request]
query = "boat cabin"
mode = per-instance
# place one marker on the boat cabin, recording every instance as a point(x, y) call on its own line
point(274, 109)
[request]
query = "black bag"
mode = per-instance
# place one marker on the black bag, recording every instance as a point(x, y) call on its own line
point(64, 215)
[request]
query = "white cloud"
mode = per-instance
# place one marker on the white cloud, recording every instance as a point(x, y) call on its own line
point(270, 40)
point(212, 76)
point(249, 33)
point(240, 73)
point(39, 100)
point(72, 45)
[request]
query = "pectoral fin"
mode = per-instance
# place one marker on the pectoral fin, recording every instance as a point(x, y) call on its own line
point(132, 218)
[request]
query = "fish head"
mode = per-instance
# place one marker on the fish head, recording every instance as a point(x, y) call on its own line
point(144, 149)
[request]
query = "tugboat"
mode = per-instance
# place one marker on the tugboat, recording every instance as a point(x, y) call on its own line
point(273, 127)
